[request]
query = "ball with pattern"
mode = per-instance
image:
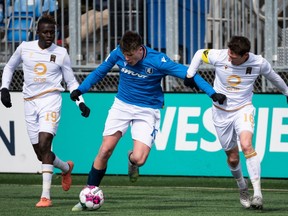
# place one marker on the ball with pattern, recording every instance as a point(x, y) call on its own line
point(91, 197)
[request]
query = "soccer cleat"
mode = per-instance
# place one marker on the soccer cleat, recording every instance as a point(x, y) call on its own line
point(133, 169)
point(257, 202)
point(66, 177)
point(244, 197)
point(78, 207)
point(44, 202)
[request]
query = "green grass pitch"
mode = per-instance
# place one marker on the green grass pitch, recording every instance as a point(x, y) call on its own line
point(150, 195)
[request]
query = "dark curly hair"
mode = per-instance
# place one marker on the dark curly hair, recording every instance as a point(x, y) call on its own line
point(46, 18)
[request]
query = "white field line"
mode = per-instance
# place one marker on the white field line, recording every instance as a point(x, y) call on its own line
point(167, 187)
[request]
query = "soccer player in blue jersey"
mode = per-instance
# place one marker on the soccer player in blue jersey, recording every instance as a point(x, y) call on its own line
point(137, 103)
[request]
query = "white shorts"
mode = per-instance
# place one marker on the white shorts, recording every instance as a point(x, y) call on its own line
point(43, 115)
point(144, 121)
point(229, 125)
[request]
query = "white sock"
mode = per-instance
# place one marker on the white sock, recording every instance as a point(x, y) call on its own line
point(47, 173)
point(63, 166)
point(254, 170)
point(238, 175)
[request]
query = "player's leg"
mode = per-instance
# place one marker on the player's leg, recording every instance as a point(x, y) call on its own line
point(253, 167)
point(49, 119)
point(245, 129)
point(223, 122)
point(45, 142)
point(137, 158)
point(236, 170)
point(144, 128)
point(32, 125)
point(99, 166)
point(116, 125)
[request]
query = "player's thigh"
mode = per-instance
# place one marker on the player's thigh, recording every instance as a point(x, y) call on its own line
point(224, 126)
point(145, 125)
point(110, 141)
point(49, 112)
point(245, 119)
point(119, 117)
point(31, 119)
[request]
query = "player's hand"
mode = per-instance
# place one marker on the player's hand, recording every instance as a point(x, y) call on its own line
point(84, 109)
point(75, 95)
point(5, 98)
point(190, 82)
point(218, 97)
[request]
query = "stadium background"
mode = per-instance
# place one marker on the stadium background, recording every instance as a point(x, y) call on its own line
point(176, 27)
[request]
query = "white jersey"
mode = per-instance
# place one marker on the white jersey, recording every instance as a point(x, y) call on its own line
point(236, 81)
point(44, 69)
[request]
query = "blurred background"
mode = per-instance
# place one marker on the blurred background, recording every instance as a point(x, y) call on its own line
point(90, 29)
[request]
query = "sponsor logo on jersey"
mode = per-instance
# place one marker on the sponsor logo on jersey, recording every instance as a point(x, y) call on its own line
point(163, 59)
point(132, 73)
point(40, 69)
point(234, 80)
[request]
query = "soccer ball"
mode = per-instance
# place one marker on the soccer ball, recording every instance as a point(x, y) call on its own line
point(91, 197)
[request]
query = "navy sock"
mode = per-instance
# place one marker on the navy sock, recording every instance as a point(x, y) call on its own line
point(95, 176)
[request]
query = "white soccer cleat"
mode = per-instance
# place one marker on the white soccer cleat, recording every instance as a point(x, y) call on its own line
point(244, 197)
point(133, 170)
point(78, 207)
point(257, 202)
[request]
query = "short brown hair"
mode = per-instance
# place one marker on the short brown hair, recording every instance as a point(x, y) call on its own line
point(239, 45)
point(130, 41)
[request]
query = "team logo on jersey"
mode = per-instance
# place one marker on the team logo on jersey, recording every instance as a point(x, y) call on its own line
point(234, 80)
point(52, 58)
point(163, 59)
point(225, 67)
point(248, 70)
point(40, 69)
point(149, 70)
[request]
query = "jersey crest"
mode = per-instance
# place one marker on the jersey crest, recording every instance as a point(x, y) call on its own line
point(248, 70)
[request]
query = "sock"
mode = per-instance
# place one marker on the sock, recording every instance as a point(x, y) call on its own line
point(95, 176)
point(238, 175)
point(63, 166)
point(254, 170)
point(47, 172)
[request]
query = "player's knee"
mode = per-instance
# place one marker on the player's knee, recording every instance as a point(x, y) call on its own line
point(233, 161)
point(104, 154)
point(39, 157)
point(139, 160)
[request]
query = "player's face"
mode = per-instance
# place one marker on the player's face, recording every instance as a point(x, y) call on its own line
point(236, 59)
point(134, 56)
point(46, 35)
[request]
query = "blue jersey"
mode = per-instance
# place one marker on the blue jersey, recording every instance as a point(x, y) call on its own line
point(140, 84)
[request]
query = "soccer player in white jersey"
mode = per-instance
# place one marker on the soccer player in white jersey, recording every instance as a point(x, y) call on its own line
point(236, 70)
point(44, 65)
point(137, 103)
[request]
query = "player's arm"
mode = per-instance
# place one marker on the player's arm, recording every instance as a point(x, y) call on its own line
point(200, 56)
point(95, 76)
point(194, 80)
point(7, 75)
point(274, 78)
point(73, 84)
